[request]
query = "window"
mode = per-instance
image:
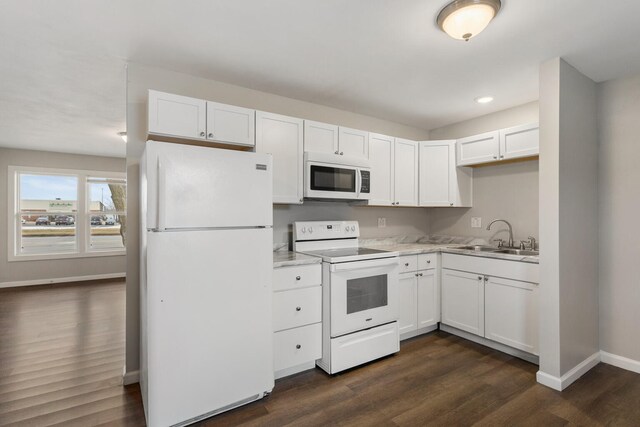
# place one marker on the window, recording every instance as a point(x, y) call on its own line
point(66, 213)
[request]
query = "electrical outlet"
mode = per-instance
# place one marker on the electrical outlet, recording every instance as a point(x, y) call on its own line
point(476, 222)
point(382, 222)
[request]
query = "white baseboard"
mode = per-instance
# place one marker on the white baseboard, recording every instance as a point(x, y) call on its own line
point(570, 377)
point(620, 361)
point(294, 369)
point(131, 377)
point(61, 280)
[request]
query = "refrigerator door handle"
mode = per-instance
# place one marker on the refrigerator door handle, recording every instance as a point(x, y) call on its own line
point(162, 177)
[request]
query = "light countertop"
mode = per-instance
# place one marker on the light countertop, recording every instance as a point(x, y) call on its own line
point(288, 258)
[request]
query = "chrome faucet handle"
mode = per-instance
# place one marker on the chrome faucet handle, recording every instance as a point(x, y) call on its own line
point(500, 242)
point(532, 242)
point(523, 245)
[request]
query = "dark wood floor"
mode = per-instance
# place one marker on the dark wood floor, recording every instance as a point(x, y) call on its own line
point(61, 358)
point(62, 354)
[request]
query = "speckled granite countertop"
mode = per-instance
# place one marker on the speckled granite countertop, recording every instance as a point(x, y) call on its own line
point(405, 245)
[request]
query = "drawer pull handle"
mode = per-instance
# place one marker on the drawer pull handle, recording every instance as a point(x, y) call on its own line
point(298, 346)
point(420, 274)
point(406, 264)
point(298, 308)
point(297, 277)
point(428, 261)
point(479, 277)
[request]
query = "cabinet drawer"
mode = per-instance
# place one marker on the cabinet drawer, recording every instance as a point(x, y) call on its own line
point(427, 261)
point(298, 276)
point(408, 263)
point(297, 308)
point(297, 346)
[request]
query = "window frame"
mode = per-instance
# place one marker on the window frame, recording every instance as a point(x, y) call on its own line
point(82, 214)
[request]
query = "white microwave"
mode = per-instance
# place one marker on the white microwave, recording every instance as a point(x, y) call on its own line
point(328, 177)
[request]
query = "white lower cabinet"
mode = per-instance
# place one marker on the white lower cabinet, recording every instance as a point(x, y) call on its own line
point(297, 318)
point(511, 313)
point(419, 301)
point(463, 301)
point(504, 310)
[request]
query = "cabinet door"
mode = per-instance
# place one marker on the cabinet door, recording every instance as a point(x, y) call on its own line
point(463, 301)
point(405, 186)
point(428, 299)
point(353, 143)
point(520, 141)
point(320, 137)
point(230, 124)
point(477, 149)
point(435, 177)
point(511, 313)
point(176, 115)
point(381, 161)
point(407, 285)
point(281, 136)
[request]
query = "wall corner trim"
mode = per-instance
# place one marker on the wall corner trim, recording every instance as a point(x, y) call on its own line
point(620, 362)
point(132, 377)
point(570, 377)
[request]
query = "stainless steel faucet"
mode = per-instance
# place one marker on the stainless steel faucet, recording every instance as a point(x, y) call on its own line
point(510, 244)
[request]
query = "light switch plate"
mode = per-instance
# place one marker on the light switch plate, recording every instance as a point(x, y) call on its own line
point(382, 222)
point(476, 222)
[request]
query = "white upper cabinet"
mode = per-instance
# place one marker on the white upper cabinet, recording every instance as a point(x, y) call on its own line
point(353, 142)
point(520, 141)
point(406, 172)
point(183, 117)
point(320, 137)
point(230, 124)
point(381, 149)
point(442, 183)
point(510, 143)
point(341, 141)
point(176, 115)
point(281, 136)
point(483, 148)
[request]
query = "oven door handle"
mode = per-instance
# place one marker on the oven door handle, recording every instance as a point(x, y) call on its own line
point(359, 265)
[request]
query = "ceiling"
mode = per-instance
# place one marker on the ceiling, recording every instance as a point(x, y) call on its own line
point(62, 63)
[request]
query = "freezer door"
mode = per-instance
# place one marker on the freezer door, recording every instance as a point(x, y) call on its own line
point(210, 338)
point(201, 187)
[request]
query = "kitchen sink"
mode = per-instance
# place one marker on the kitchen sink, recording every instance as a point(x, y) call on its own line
point(523, 252)
point(479, 248)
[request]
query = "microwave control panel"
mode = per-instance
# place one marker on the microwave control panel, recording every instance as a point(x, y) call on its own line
point(366, 181)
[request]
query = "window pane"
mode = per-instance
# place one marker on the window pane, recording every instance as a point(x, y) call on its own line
point(50, 224)
point(107, 232)
point(107, 195)
point(48, 193)
point(46, 234)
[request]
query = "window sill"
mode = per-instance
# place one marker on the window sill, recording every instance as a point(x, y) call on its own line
point(73, 255)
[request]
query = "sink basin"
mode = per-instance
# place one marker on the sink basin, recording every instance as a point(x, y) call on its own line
point(479, 248)
point(523, 252)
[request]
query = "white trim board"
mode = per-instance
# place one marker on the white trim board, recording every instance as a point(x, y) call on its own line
point(570, 377)
point(132, 377)
point(620, 361)
point(61, 280)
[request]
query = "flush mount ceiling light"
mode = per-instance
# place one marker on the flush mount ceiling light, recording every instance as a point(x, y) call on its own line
point(463, 19)
point(484, 99)
point(123, 135)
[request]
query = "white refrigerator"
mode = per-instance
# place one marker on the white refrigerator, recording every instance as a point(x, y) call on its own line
point(206, 268)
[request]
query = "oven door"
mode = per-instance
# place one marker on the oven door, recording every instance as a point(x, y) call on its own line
point(330, 181)
point(363, 294)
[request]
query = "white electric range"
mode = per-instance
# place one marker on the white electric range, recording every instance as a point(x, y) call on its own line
point(359, 294)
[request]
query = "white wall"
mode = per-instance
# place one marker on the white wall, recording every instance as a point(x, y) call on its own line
point(19, 271)
point(619, 201)
point(141, 78)
point(507, 191)
point(568, 219)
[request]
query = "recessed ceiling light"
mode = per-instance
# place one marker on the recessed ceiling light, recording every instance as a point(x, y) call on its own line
point(123, 135)
point(463, 19)
point(484, 99)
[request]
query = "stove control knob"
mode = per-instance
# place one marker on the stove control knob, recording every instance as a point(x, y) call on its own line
point(353, 228)
point(346, 229)
point(304, 230)
point(310, 230)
